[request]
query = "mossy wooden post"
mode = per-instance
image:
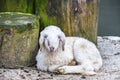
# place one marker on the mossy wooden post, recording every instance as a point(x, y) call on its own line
point(75, 17)
point(18, 39)
point(25, 6)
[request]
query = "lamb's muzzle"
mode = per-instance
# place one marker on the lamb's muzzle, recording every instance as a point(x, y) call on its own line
point(51, 49)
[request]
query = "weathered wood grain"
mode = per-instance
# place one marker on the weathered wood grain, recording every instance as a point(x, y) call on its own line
point(74, 17)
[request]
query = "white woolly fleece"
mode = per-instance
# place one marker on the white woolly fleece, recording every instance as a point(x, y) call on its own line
point(57, 52)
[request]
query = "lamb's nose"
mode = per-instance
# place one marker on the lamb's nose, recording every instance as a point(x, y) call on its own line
point(51, 49)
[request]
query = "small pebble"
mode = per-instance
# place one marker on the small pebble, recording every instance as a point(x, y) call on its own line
point(38, 71)
point(39, 75)
point(83, 77)
point(118, 53)
point(22, 76)
point(28, 74)
point(26, 71)
point(51, 74)
point(4, 71)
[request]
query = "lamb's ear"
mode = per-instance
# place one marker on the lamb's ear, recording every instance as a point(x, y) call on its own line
point(41, 41)
point(62, 39)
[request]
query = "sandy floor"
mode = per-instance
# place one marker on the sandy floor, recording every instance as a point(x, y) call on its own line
point(110, 51)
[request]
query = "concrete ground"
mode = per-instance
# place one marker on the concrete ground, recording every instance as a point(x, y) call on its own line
point(110, 52)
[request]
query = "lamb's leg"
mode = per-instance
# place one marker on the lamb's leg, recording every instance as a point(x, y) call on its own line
point(75, 69)
point(53, 68)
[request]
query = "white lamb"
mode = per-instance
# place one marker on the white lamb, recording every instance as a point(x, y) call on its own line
point(64, 55)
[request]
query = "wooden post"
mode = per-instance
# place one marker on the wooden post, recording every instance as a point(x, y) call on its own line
point(75, 17)
point(18, 39)
point(25, 6)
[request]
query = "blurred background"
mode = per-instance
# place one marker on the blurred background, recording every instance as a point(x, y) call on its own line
point(109, 18)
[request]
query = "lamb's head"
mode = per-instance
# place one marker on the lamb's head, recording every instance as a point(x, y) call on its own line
point(52, 39)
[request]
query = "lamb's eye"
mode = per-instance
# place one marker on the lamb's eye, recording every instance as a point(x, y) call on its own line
point(45, 36)
point(59, 36)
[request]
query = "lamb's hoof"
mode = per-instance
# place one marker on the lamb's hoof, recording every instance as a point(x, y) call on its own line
point(72, 63)
point(60, 70)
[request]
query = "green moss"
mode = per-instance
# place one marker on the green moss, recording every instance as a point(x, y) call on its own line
point(30, 43)
point(18, 40)
point(17, 21)
point(88, 27)
point(25, 6)
point(41, 11)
